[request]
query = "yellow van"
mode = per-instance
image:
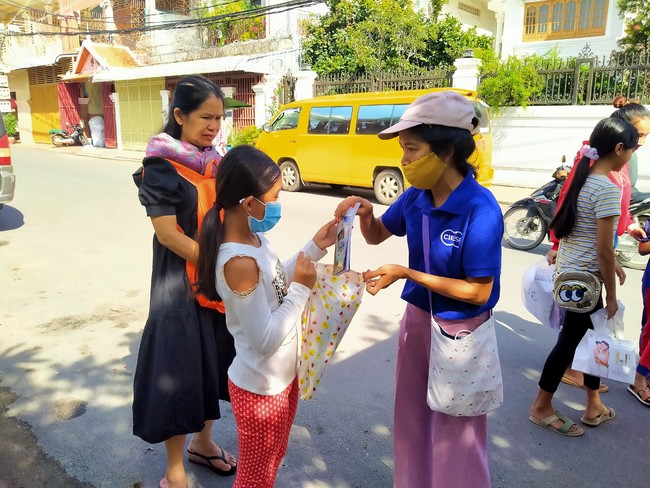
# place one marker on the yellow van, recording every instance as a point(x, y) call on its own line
point(333, 140)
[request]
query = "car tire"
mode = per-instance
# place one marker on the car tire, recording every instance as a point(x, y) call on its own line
point(291, 180)
point(388, 186)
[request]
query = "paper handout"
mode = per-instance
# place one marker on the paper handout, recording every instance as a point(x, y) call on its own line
point(343, 238)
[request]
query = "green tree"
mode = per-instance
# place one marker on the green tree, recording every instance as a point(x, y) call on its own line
point(390, 37)
point(446, 41)
point(327, 45)
point(361, 36)
point(231, 30)
point(637, 26)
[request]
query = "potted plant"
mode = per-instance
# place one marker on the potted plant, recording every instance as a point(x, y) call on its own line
point(11, 125)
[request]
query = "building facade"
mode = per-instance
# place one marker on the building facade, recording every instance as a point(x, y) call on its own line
point(44, 44)
point(570, 27)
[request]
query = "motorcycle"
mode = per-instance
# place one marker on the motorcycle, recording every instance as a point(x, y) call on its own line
point(527, 221)
point(61, 137)
point(627, 251)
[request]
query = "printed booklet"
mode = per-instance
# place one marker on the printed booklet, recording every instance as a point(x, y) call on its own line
point(343, 239)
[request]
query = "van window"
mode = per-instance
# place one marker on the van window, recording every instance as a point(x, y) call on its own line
point(481, 110)
point(287, 119)
point(372, 119)
point(398, 111)
point(329, 120)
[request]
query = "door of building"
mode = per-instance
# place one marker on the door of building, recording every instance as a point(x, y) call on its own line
point(44, 107)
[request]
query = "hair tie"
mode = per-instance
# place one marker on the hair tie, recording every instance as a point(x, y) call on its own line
point(217, 206)
point(589, 152)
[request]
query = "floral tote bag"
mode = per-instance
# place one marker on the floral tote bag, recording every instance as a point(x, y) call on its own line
point(333, 302)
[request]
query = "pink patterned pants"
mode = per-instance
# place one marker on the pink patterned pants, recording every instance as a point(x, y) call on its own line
point(263, 425)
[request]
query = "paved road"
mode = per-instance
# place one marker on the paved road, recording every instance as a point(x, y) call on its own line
point(74, 277)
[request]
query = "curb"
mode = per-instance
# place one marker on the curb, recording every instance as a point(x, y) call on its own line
point(98, 153)
point(505, 194)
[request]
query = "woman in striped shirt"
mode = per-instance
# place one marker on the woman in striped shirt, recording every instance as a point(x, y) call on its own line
point(586, 225)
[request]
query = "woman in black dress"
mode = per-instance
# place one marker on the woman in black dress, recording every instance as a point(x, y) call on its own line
point(185, 349)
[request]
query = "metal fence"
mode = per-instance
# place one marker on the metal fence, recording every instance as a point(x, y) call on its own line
point(593, 81)
point(335, 84)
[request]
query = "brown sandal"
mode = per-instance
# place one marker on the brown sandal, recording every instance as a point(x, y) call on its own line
point(642, 393)
point(603, 388)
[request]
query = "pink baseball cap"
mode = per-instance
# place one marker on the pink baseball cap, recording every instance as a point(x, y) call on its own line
point(446, 108)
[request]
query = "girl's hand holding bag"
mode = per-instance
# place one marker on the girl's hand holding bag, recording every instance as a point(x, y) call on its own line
point(622, 354)
point(464, 372)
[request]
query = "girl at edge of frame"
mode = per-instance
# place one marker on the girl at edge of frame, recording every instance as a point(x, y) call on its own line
point(592, 207)
point(435, 133)
point(185, 348)
point(641, 387)
point(264, 300)
point(639, 116)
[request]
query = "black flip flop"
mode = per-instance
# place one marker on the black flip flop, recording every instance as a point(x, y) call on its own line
point(197, 458)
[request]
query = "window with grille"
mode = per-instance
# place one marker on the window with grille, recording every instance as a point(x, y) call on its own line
point(43, 75)
point(128, 13)
point(564, 19)
point(181, 7)
point(469, 9)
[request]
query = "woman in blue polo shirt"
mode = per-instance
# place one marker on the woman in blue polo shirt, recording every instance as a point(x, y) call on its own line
point(432, 449)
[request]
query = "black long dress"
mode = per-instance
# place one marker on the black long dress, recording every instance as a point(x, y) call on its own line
point(185, 351)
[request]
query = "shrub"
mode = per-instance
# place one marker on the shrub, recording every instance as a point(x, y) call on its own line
point(510, 83)
point(244, 135)
point(11, 124)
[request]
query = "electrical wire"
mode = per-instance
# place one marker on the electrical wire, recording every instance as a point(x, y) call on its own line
point(104, 18)
point(261, 12)
point(244, 14)
point(22, 7)
point(81, 20)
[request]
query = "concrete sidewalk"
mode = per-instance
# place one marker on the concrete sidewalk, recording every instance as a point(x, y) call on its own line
point(505, 194)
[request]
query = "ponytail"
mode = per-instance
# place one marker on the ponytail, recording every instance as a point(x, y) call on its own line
point(244, 171)
point(206, 266)
point(565, 218)
point(607, 134)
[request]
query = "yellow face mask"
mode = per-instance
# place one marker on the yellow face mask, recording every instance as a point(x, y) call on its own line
point(425, 172)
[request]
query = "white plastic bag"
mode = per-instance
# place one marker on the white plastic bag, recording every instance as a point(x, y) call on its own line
point(614, 326)
point(603, 352)
point(333, 302)
point(96, 124)
point(537, 294)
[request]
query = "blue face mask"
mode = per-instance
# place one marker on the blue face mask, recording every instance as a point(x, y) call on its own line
point(272, 214)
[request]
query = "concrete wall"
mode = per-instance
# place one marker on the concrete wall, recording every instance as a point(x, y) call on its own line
point(485, 22)
point(287, 24)
point(19, 82)
point(529, 143)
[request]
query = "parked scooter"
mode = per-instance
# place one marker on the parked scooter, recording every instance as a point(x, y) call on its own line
point(627, 251)
point(62, 137)
point(527, 221)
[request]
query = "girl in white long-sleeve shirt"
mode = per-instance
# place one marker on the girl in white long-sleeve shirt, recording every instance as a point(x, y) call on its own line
point(264, 299)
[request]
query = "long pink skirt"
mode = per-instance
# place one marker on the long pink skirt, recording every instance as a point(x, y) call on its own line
point(432, 449)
